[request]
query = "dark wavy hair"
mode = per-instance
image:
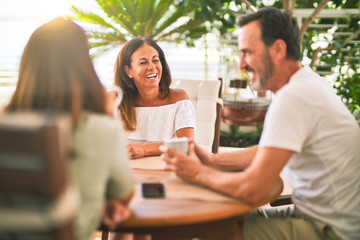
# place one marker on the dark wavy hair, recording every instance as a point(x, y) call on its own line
point(276, 24)
point(127, 85)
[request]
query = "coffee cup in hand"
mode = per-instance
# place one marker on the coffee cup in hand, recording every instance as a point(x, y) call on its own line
point(180, 144)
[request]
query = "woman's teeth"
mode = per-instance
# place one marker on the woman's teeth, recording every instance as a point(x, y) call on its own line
point(151, 76)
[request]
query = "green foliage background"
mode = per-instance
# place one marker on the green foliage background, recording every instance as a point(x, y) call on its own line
point(188, 20)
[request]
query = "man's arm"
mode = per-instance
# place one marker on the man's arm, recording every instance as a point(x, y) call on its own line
point(234, 161)
point(252, 185)
point(231, 161)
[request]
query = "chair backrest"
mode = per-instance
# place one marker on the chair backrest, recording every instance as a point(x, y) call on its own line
point(206, 97)
point(36, 198)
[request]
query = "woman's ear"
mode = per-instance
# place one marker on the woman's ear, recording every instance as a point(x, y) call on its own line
point(128, 71)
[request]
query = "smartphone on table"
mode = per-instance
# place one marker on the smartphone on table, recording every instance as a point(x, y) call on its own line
point(153, 190)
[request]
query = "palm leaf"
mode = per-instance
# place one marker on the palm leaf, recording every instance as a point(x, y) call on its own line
point(144, 8)
point(101, 49)
point(116, 37)
point(180, 29)
point(159, 12)
point(119, 12)
point(103, 44)
point(90, 17)
point(110, 7)
point(174, 17)
point(143, 11)
point(129, 7)
point(158, 19)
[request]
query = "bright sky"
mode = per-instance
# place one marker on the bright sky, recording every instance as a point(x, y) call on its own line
point(19, 18)
point(42, 9)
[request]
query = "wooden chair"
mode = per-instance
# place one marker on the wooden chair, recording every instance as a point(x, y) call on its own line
point(36, 199)
point(206, 97)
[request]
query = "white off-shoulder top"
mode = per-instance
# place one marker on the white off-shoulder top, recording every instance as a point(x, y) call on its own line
point(161, 122)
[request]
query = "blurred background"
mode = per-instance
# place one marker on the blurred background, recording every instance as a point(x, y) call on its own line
point(199, 41)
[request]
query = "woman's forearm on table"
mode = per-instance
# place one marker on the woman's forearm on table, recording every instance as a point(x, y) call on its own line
point(152, 149)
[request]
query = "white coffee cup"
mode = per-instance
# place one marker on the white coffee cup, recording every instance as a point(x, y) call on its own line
point(180, 144)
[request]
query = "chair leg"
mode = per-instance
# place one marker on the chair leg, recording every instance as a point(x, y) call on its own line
point(105, 235)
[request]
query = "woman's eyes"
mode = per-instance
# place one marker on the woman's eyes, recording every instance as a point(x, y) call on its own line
point(154, 61)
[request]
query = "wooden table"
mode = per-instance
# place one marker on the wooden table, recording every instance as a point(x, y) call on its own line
point(183, 213)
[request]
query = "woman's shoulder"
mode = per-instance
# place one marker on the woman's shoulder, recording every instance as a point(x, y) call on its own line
point(99, 121)
point(176, 95)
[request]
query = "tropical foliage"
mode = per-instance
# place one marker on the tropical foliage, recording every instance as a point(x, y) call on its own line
point(333, 50)
point(162, 20)
point(188, 20)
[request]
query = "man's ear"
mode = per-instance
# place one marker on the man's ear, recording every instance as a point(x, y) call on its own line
point(279, 49)
point(128, 71)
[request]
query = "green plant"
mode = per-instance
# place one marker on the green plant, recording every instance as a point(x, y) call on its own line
point(338, 55)
point(236, 138)
point(348, 88)
point(162, 20)
point(188, 20)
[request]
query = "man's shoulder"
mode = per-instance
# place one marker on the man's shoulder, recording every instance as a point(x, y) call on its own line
point(303, 82)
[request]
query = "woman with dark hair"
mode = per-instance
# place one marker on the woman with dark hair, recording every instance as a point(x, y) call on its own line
point(150, 111)
point(56, 73)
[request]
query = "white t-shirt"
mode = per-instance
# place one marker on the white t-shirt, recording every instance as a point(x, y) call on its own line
point(308, 118)
point(158, 123)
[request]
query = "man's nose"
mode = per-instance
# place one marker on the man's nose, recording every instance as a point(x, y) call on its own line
point(242, 63)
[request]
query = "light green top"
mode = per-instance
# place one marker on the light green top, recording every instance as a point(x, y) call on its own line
point(100, 168)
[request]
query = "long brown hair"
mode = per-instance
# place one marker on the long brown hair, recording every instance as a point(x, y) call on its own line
point(127, 85)
point(56, 72)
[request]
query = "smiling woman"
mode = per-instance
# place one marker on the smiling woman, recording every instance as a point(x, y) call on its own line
point(150, 110)
point(145, 69)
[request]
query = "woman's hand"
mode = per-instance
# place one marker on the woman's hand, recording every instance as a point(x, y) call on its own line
point(135, 151)
point(115, 213)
